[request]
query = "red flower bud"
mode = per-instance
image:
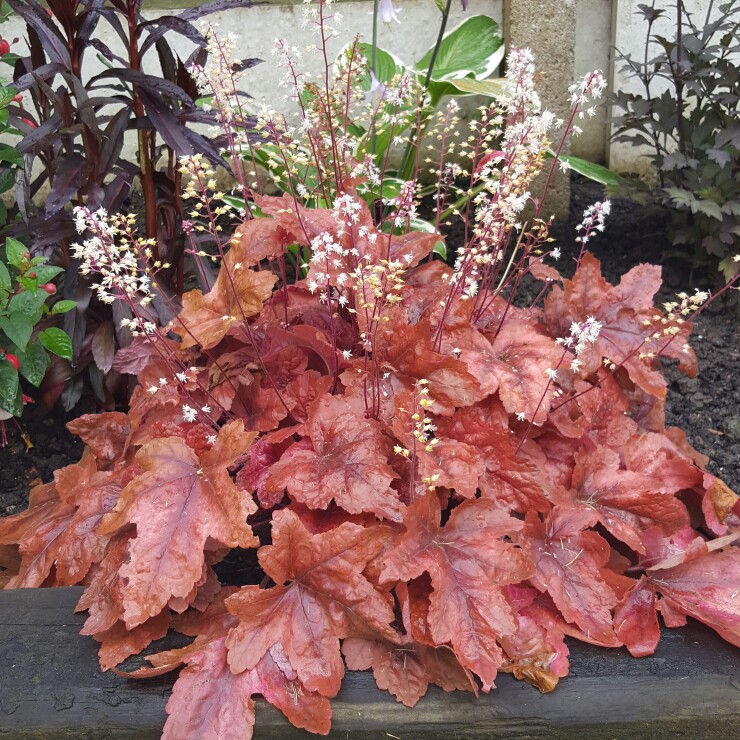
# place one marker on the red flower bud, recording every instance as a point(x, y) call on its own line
point(31, 275)
point(4, 46)
point(50, 288)
point(13, 360)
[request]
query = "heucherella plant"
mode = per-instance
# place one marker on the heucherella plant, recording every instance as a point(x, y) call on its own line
point(442, 476)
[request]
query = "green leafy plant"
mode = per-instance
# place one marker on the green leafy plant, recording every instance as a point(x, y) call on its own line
point(460, 63)
point(27, 337)
point(11, 160)
point(687, 115)
point(73, 130)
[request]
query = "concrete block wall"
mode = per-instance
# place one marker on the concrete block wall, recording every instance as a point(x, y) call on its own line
point(570, 38)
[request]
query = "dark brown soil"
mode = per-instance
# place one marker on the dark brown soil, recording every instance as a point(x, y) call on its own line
point(706, 407)
point(22, 468)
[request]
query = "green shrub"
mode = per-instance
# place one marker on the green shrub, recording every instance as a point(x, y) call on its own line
point(691, 126)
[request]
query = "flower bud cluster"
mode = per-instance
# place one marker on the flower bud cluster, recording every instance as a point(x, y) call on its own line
point(423, 428)
point(594, 218)
point(581, 336)
point(378, 285)
point(220, 80)
point(668, 325)
point(404, 204)
point(112, 251)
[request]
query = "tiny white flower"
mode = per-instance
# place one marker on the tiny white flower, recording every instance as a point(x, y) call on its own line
point(189, 413)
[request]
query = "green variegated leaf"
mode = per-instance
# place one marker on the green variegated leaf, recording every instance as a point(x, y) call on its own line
point(474, 49)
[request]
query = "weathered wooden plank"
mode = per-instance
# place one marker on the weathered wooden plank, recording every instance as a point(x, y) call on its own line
point(52, 688)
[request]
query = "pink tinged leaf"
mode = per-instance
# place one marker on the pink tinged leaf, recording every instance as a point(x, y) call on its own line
point(536, 652)
point(293, 618)
point(656, 456)
point(622, 311)
point(627, 502)
point(458, 465)
point(103, 598)
point(105, 434)
point(469, 564)
point(706, 588)
point(718, 503)
point(406, 670)
point(104, 347)
point(208, 701)
point(252, 477)
point(236, 296)
point(119, 643)
point(278, 684)
point(347, 464)
point(259, 239)
point(40, 549)
point(514, 478)
point(636, 620)
point(177, 503)
point(522, 358)
point(567, 566)
point(327, 598)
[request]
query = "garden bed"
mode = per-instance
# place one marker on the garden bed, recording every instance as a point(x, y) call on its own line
point(706, 407)
point(690, 687)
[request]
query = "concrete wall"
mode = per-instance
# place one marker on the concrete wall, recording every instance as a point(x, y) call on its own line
point(570, 38)
point(629, 37)
point(257, 28)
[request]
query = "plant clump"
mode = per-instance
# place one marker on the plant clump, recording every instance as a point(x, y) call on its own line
point(443, 479)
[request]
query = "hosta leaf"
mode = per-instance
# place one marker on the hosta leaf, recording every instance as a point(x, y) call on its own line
point(596, 172)
point(490, 88)
point(474, 48)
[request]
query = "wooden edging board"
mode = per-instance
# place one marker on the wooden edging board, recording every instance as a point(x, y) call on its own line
point(51, 687)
